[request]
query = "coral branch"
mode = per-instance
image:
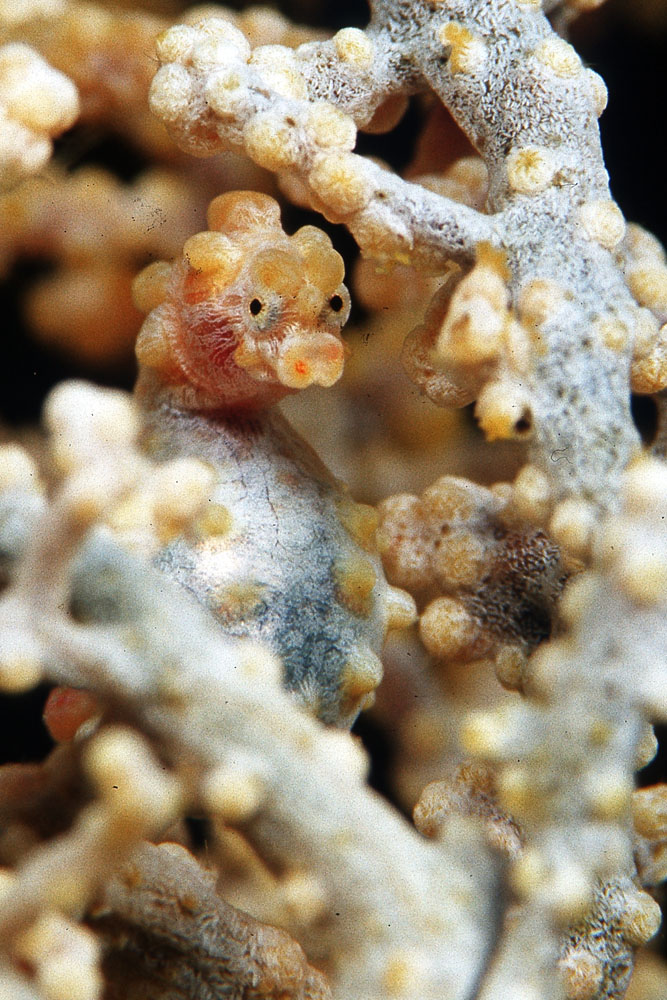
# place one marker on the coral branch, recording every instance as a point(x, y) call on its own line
point(284, 111)
point(596, 712)
point(166, 930)
point(193, 691)
point(526, 102)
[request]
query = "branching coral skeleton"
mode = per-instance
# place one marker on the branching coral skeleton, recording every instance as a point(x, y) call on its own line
point(211, 604)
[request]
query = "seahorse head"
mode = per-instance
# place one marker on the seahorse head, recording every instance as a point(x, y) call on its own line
point(247, 314)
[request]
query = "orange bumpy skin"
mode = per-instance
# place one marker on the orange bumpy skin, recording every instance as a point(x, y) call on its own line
point(248, 314)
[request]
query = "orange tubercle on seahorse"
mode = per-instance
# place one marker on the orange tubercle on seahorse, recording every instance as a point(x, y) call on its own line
point(247, 314)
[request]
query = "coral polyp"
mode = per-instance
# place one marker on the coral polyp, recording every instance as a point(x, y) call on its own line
point(247, 314)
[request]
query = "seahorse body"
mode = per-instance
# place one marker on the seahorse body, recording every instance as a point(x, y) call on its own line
point(283, 554)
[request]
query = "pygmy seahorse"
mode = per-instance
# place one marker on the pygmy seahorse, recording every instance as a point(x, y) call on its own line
point(283, 554)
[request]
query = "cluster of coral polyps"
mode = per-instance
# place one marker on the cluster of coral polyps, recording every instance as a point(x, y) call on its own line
point(490, 586)
point(37, 104)
point(209, 609)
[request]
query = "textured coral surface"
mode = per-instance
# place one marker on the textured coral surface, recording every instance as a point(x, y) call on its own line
point(266, 735)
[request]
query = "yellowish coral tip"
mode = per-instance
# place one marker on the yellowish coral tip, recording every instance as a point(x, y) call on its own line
point(259, 664)
point(539, 299)
point(271, 141)
point(461, 558)
point(516, 792)
point(170, 93)
point(643, 575)
point(603, 222)
point(599, 91)
point(613, 333)
point(532, 493)
point(180, 487)
point(18, 470)
point(641, 917)
point(649, 812)
point(176, 44)
point(360, 520)
point(401, 608)
point(355, 579)
point(447, 629)
point(305, 897)
point(581, 973)
point(330, 127)
point(645, 487)
point(510, 664)
point(531, 169)
point(361, 674)
point(233, 793)
point(468, 52)
point(579, 597)
point(353, 46)
point(483, 734)
point(572, 526)
point(216, 520)
point(648, 284)
point(339, 181)
point(647, 748)
point(649, 374)
point(402, 975)
point(569, 892)
point(224, 89)
point(559, 56)
point(20, 663)
point(609, 795)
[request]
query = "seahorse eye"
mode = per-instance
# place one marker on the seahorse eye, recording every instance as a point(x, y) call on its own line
point(336, 303)
point(256, 307)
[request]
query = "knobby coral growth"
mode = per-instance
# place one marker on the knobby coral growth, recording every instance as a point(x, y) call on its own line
point(550, 340)
point(208, 604)
point(497, 583)
point(37, 104)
